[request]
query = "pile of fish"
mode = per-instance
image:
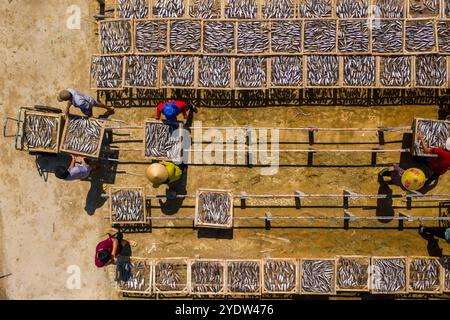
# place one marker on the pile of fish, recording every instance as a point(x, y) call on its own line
point(214, 208)
point(425, 275)
point(420, 36)
point(107, 71)
point(280, 275)
point(431, 70)
point(253, 37)
point(318, 276)
point(359, 70)
point(353, 36)
point(251, 72)
point(287, 71)
point(162, 140)
point(205, 9)
point(133, 275)
point(218, 36)
point(286, 36)
point(445, 262)
point(82, 135)
point(419, 8)
point(214, 71)
point(40, 132)
point(151, 36)
point(169, 8)
point(243, 276)
point(352, 273)
point(320, 36)
point(278, 9)
point(185, 36)
point(115, 36)
point(315, 8)
point(170, 276)
point(241, 9)
point(322, 70)
point(389, 9)
point(388, 275)
point(352, 8)
point(443, 28)
point(207, 276)
point(178, 71)
point(127, 206)
point(141, 71)
point(395, 71)
point(132, 9)
point(387, 36)
point(435, 134)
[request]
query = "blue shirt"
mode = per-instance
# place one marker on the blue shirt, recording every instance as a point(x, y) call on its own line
point(82, 101)
point(447, 235)
point(78, 173)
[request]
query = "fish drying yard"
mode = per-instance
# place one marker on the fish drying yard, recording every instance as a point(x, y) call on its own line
point(301, 104)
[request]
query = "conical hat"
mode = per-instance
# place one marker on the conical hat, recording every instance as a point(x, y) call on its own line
point(157, 173)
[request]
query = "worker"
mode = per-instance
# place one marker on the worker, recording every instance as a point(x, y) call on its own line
point(409, 180)
point(441, 163)
point(163, 172)
point(106, 251)
point(173, 108)
point(440, 232)
point(84, 102)
point(74, 172)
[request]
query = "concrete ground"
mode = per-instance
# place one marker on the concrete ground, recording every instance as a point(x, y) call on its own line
point(48, 227)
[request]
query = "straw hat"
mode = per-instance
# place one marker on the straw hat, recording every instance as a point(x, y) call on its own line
point(413, 179)
point(157, 174)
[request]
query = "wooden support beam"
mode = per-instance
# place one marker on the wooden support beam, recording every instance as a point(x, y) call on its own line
point(373, 161)
point(346, 195)
point(311, 136)
point(298, 199)
point(381, 140)
point(243, 200)
point(268, 220)
point(310, 157)
point(249, 143)
point(402, 217)
point(348, 216)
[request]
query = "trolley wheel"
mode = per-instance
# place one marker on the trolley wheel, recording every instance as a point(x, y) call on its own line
point(47, 108)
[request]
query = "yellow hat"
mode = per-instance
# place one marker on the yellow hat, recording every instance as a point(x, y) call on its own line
point(413, 179)
point(157, 174)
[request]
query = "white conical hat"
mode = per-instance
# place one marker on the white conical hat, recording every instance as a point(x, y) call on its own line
point(157, 174)
point(447, 144)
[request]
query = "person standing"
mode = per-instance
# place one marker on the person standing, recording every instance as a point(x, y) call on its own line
point(173, 108)
point(81, 101)
point(106, 251)
point(163, 172)
point(441, 163)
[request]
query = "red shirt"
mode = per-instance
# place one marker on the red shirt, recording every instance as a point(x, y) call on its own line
point(104, 245)
point(440, 164)
point(180, 104)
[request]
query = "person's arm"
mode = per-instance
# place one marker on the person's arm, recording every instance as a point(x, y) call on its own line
point(422, 143)
point(69, 104)
point(184, 110)
point(72, 163)
point(84, 163)
point(158, 111)
point(115, 248)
